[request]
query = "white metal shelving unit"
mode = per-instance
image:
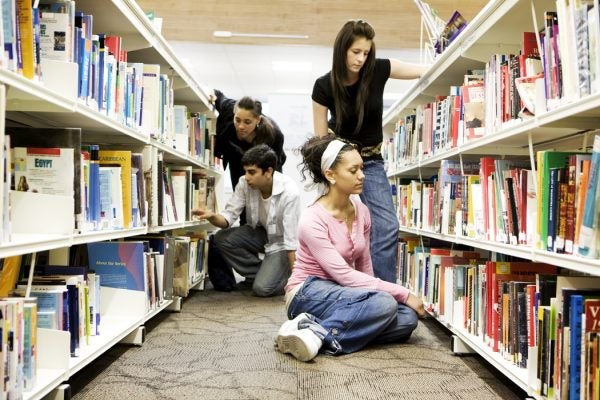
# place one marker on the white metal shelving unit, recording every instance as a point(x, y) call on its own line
point(496, 29)
point(40, 105)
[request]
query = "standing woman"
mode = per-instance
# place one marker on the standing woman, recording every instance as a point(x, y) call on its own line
point(336, 304)
point(240, 126)
point(353, 93)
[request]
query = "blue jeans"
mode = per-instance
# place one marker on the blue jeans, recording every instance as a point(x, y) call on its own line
point(353, 317)
point(238, 248)
point(377, 196)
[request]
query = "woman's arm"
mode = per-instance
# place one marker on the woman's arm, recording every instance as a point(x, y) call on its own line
point(404, 70)
point(320, 119)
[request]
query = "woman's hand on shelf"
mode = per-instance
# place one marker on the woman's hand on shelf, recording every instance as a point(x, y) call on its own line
point(416, 304)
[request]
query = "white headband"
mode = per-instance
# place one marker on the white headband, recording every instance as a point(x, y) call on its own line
point(327, 159)
point(330, 154)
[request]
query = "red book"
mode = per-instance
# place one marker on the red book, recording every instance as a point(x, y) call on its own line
point(487, 169)
point(529, 46)
point(113, 43)
point(454, 131)
point(531, 321)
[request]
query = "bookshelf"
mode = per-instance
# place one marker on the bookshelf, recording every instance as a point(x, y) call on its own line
point(570, 125)
point(48, 104)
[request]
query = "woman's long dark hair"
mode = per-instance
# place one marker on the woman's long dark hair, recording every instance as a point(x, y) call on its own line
point(352, 30)
point(265, 132)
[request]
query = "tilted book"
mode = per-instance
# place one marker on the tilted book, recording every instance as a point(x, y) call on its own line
point(121, 265)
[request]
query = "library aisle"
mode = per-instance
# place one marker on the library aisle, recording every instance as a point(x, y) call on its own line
point(221, 347)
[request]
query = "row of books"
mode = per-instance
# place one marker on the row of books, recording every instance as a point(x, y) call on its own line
point(18, 343)
point(496, 200)
point(136, 95)
point(532, 314)
point(571, 59)
point(485, 101)
point(109, 189)
point(564, 68)
point(72, 296)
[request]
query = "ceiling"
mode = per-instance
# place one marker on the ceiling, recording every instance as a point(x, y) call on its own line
point(260, 67)
point(396, 22)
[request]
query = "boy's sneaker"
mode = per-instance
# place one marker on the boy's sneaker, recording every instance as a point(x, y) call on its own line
point(291, 325)
point(303, 344)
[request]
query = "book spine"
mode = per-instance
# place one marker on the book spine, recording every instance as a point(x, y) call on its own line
point(587, 233)
point(95, 185)
point(576, 311)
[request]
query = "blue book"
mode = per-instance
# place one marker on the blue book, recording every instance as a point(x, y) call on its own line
point(576, 310)
point(587, 233)
point(95, 185)
point(8, 24)
point(73, 307)
point(121, 265)
point(110, 83)
point(101, 96)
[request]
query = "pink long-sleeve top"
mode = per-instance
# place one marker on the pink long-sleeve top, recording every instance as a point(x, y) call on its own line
point(326, 249)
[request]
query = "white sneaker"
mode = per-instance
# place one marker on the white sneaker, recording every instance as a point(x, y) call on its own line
point(291, 325)
point(303, 344)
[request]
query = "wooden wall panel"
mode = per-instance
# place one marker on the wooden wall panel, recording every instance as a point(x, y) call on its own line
point(396, 22)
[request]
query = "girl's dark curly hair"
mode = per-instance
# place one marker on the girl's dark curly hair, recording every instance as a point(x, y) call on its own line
point(312, 151)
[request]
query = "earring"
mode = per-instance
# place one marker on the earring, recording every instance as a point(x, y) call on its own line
point(333, 182)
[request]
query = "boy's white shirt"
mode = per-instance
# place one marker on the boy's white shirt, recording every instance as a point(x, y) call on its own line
point(284, 212)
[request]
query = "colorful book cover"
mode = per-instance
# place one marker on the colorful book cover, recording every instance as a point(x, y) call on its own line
point(119, 264)
point(122, 158)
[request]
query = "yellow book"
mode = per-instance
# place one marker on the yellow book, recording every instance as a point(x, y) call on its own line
point(9, 275)
point(25, 14)
point(471, 180)
point(409, 207)
point(123, 159)
point(86, 308)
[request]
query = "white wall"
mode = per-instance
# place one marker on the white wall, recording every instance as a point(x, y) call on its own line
point(293, 114)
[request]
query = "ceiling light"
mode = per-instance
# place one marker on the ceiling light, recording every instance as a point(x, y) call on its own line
point(228, 34)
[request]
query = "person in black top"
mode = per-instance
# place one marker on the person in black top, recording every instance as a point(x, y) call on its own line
point(353, 93)
point(241, 125)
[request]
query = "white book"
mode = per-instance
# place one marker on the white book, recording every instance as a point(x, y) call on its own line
point(44, 170)
point(594, 46)
point(111, 198)
point(55, 39)
point(181, 128)
point(181, 182)
point(151, 100)
point(478, 210)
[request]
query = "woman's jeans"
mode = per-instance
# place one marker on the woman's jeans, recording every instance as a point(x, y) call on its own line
point(377, 195)
point(352, 317)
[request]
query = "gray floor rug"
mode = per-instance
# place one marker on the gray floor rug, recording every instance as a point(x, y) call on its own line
point(221, 347)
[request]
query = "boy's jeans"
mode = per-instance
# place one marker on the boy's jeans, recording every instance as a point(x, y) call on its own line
point(239, 248)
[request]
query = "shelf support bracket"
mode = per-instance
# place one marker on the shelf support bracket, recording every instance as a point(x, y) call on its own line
point(62, 392)
point(176, 305)
point(136, 337)
point(459, 347)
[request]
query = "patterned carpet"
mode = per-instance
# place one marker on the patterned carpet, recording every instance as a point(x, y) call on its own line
point(221, 347)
